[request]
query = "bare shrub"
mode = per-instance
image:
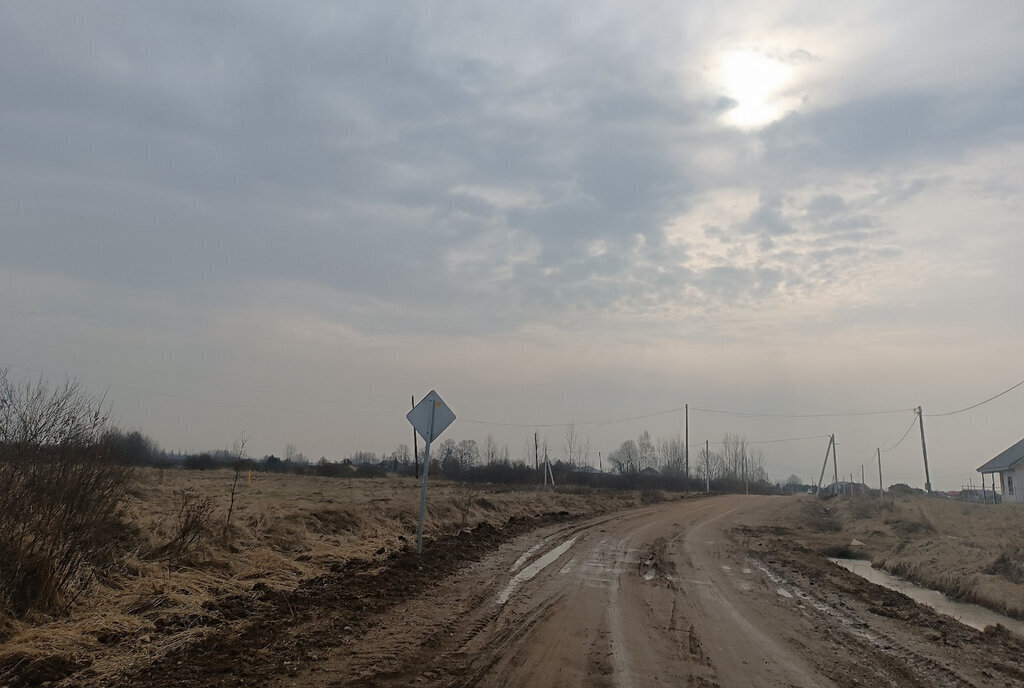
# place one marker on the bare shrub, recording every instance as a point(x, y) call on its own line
point(1009, 564)
point(463, 497)
point(653, 496)
point(60, 498)
point(193, 524)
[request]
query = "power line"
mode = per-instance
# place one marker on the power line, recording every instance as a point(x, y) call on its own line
point(607, 421)
point(218, 402)
point(678, 409)
point(912, 424)
point(974, 406)
point(745, 414)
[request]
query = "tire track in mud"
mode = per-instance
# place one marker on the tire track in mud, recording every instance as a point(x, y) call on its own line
point(878, 636)
point(268, 634)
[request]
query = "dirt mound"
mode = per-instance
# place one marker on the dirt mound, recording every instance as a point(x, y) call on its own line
point(267, 632)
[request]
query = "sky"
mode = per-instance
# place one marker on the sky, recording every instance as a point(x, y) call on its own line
point(282, 221)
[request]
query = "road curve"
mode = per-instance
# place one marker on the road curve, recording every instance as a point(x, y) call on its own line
point(653, 597)
point(696, 592)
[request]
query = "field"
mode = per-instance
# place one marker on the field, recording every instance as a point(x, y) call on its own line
point(971, 552)
point(309, 565)
point(184, 565)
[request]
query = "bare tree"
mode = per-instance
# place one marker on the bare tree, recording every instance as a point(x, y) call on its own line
point(734, 456)
point(239, 463)
point(709, 465)
point(60, 496)
point(647, 457)
point(571, 445)
point(626, 459)
point(491, 453)
point(672, 455)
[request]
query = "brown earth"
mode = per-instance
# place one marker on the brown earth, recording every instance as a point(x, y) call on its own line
point(288, 535)
point(718, 591)
point(971, 552)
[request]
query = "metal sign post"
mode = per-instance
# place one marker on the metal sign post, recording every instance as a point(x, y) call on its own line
point(430, 417)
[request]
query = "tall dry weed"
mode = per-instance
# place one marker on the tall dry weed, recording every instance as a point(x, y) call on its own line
point(192, 523)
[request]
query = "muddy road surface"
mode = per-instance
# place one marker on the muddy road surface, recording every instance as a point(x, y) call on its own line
point(696, 592)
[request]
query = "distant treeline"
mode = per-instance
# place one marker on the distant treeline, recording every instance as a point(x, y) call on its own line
point(636, 464)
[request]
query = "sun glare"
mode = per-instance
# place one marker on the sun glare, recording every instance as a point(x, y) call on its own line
point(755, 82)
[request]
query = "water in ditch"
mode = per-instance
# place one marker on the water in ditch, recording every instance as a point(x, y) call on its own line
point(968, 614)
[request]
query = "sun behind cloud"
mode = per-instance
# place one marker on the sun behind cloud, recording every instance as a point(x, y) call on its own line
point(756, 82)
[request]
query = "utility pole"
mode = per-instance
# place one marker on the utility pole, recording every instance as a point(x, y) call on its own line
point(828, 449)
point(824, 465)
point(746, 484)
point(536, 454)
point(600, 464)
point(686, 446)
point(415, 449)
point(881, 490)
point(924, 452)
point(835, 461)
point(707, 465)
point(862, 475)
point(547, 467)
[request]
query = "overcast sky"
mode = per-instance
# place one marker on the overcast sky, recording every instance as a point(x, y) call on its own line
point(285, 219)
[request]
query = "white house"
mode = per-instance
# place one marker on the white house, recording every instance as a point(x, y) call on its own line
point(1010, 467)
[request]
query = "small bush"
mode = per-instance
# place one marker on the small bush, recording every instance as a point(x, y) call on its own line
point(61, 499)
point(463, 497)
point(1009, 565)
point(193, 524)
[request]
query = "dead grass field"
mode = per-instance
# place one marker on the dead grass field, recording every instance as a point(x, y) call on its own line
point(183, 556)
point(971, 552)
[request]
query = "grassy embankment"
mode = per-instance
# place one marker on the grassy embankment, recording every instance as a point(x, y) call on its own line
point(181, 555)
point(971, 552)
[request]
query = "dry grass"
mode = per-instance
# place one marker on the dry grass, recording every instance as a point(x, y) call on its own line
point(284, 529)
point(972, 552)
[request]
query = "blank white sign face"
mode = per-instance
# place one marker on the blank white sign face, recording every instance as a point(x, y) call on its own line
point(420, 416)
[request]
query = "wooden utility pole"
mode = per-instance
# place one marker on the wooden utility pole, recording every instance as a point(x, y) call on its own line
point(835, 461)
point(707, 465)
point(824, 465)
point(881, 490)
point(686, 446)
point(415, 448)
point(924, 452)
point(862, 475)
point(547, 468)
point(600, 464)
point(536, 453)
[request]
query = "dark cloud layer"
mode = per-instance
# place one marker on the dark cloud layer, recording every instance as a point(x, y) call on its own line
point(358, 148)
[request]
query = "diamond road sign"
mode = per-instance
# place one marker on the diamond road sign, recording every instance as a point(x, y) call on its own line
point(431, 407)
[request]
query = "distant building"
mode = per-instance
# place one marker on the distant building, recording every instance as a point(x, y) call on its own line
point(972, 494)
point(1009, 465)
point(845, 488)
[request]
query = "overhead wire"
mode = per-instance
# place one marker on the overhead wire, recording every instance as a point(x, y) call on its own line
point(900, 441)
point(974, 406)
point(746, 414)
point(219, 402)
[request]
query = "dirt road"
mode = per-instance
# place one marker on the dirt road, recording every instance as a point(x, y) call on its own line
point(678, 594)
point(689, 593)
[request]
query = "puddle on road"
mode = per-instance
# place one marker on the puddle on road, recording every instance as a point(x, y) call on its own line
point(533, 569)
point(968, 614)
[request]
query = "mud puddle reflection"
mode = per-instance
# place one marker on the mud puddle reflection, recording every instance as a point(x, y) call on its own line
point(533, 569)
point(968, 614)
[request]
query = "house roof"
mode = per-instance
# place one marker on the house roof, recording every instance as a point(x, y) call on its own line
point(1004, 460)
